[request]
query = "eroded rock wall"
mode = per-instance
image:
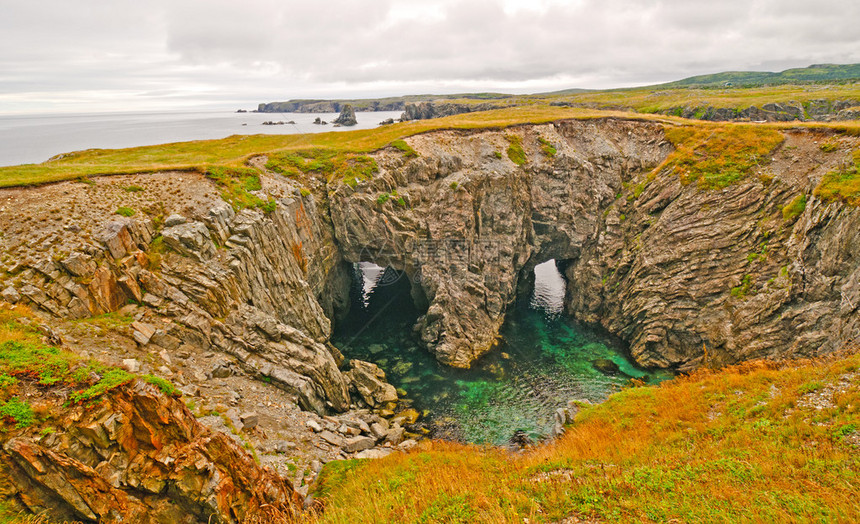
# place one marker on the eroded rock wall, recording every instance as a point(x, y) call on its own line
point(140, 456)
point(686, 276)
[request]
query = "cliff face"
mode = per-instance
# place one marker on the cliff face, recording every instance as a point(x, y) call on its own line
point(674, 270)
point(813, 110)
point(140, 456)
point(677, 271)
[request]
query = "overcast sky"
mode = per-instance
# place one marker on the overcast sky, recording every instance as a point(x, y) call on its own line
point(107, 55)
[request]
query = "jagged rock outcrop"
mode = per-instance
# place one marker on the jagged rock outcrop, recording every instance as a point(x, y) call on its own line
point(676, 271)
point(347, 116)
point(472, 219)
point(813, 110)
point(425, 110)
point(661, 264)
point(140, 456)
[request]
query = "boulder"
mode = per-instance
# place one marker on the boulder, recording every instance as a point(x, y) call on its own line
point(370, 383)
point(358, 443)
point(174, 220)
point(10, 295)
point(605, 366)
point(249, 420)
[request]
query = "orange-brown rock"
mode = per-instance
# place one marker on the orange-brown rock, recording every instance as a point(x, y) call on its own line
point(140, 456)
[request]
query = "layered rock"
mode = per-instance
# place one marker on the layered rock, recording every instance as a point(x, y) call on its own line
point(676, 271)
point(141, 456)
point(686, 276)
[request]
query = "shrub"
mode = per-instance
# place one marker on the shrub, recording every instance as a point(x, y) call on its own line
point(164, 385)
point(383, 198)
point(454, 185)
point(125, 211)
point(111, 378)
point(19, 411)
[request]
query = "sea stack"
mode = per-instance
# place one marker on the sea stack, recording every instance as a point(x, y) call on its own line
point(347, 116)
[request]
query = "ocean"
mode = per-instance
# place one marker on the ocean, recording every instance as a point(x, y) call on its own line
point(32, 139)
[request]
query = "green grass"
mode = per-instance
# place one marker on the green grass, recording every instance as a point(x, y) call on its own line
point(842, 185)
point(164, 385)
point(716, 156)
point(24, 358)
point(515, 150)
point(745, 287)
point(237, 184)
point(728, 446)
point(407, 150)
point(547, 148)
point(125, 211)
point(794, 208)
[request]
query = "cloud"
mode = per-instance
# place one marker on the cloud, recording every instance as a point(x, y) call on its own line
point(180, 51)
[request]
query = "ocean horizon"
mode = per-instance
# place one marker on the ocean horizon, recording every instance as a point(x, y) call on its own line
point(35, 138)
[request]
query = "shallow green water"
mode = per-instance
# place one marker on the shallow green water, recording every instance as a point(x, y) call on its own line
point(544, 361)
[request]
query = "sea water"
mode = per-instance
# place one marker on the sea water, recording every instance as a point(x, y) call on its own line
point(544, 360)
point(35, 138)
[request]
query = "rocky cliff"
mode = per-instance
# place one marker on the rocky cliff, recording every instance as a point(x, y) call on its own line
point(425, 110)
point(813, 110)
point(677, 271)
point(139, 456)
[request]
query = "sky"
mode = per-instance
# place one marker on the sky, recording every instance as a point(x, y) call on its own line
point(121, 55)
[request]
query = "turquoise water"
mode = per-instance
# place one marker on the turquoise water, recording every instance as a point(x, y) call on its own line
point(544, 360)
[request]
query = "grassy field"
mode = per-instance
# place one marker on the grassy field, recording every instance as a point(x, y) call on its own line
point(656, 99)
point(755, 443)
point(234, 151)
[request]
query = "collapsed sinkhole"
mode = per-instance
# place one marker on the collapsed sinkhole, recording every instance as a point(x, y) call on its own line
point(544, 359)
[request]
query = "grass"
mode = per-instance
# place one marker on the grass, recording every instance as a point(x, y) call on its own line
point(842, 185)
point(235, 151)
point(25, 360)
point(237, 186)
point(125, 211)
point(328, 164)
point(407, 150)
point(716, 156)
point(746, 285)
point(547, 148)
point(736, 445)
point(515, 150)
point(794, 208)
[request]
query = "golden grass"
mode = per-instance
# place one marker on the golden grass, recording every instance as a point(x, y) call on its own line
point(716, 156)
point(718, 446)
point(842, 185)
point(235, 151)
point(654, 99)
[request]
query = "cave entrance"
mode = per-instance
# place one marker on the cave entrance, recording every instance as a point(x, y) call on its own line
point(548, 289)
